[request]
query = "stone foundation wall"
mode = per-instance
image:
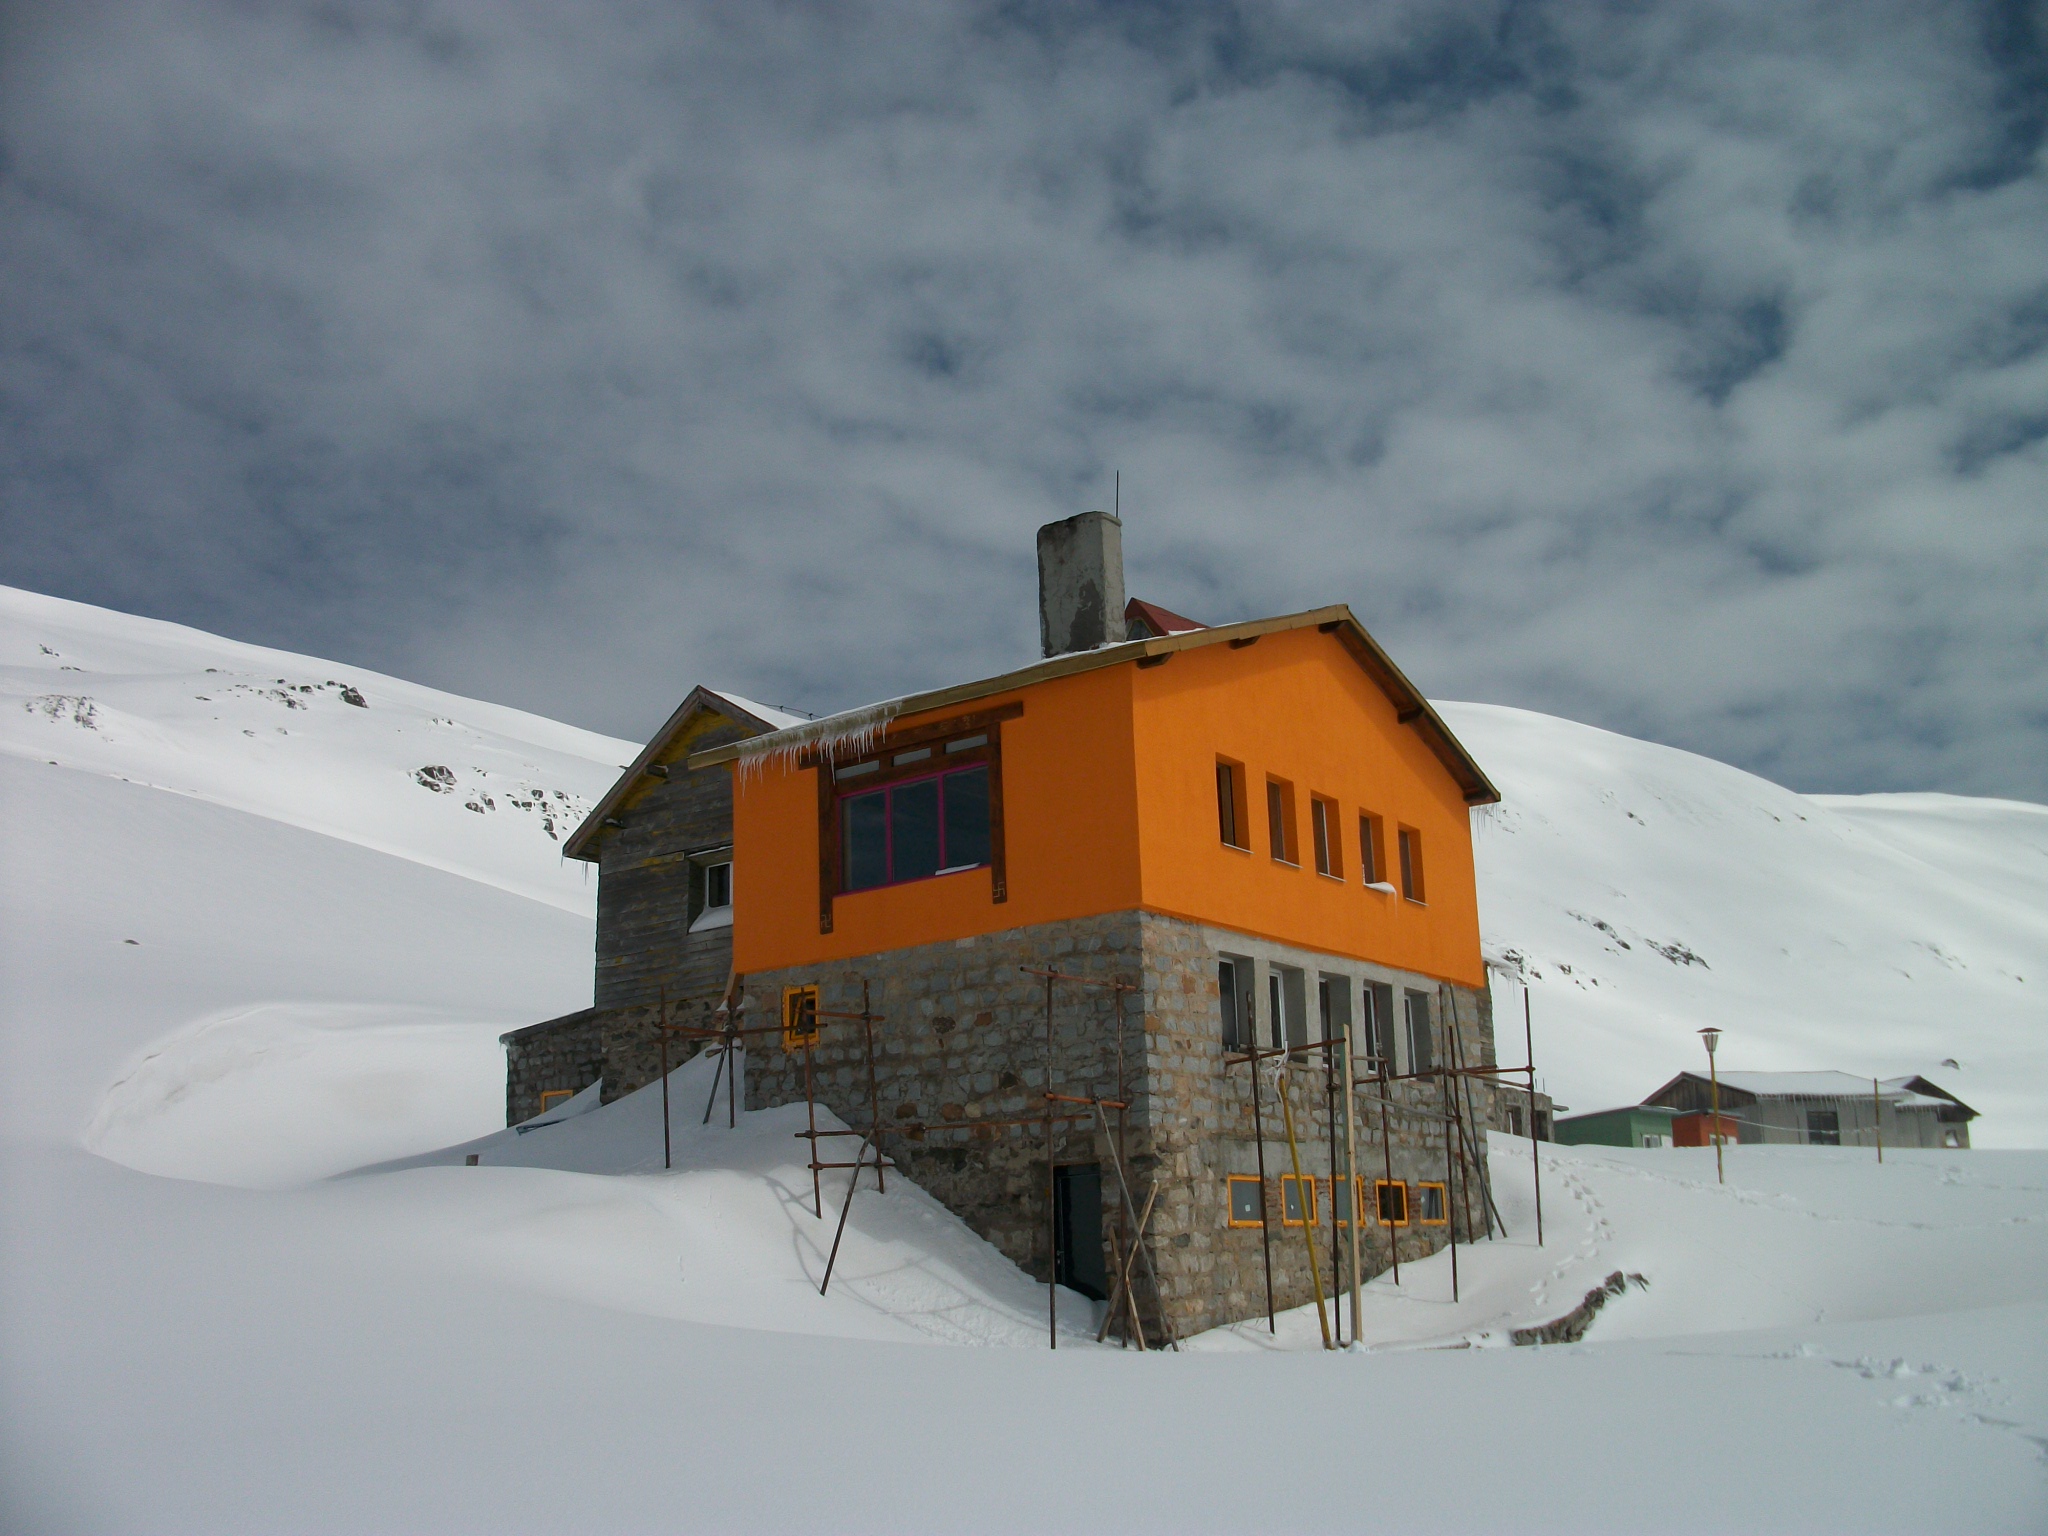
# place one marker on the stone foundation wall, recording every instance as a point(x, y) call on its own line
point(963, 1038)
point(560, 1053)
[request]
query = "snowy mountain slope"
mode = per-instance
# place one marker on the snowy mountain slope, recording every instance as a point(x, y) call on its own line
point(453, 783)
point(452, 1348)
point(1643, 892)
point(207, 993)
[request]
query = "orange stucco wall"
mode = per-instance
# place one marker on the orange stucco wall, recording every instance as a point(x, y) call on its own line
point(1110, 804)
point(1070, 825)
point(1295, 706)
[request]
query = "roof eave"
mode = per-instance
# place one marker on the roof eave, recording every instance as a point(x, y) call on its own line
point(1410, 707)
point(581, 843)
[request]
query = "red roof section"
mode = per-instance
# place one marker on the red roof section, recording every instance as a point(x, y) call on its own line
point(1160, 621)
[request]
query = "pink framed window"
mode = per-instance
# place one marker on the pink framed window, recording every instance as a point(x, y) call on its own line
point(914, 829)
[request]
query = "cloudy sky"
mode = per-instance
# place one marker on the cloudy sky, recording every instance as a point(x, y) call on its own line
point(1678, 368)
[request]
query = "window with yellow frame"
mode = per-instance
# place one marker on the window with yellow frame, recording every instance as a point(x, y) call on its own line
point(1292, 1193)
point(1390, 1199)
point(1432, 1209)
point(550, 1097)
point(1336, 1193)
point(1247, 1207)
point(799, 1018)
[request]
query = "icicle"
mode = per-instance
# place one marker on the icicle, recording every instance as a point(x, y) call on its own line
point(836, 738)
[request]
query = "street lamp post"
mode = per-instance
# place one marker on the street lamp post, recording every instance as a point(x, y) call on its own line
point(1713, 1038)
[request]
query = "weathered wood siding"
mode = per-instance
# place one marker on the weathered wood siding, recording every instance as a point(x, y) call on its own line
point(644, 943)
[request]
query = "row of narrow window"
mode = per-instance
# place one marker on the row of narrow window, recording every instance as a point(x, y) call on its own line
point(1388, 1201)
point(1326, 832)
point(1287, 1017)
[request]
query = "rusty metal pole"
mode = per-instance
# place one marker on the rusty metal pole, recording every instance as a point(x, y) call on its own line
point(1052, 1213)
point(665, 1162)
point(1535, 1146)
point(711, 1099)
point(811, 1115)
point(867, 1026)
point(1450, 1211)
point(1452, 1124)
point(1387, 1152)
point(1123, 1148)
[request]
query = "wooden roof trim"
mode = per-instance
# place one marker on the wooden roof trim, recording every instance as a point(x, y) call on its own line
point(700, 699)
point(1410, 706)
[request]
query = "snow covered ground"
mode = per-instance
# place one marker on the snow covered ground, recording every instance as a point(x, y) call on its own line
point(232, 964)
point(1642, 892)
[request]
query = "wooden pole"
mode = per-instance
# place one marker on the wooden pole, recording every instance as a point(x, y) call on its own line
point(665, 1162)
point(1336, 1250)
point(1877, 1118)
point(1308, 1225)
point(1351, 1167)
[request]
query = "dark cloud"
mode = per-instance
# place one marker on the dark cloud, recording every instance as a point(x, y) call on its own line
point(1679, 368)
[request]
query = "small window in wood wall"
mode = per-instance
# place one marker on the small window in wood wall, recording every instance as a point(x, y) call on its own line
point(1247, 1205)
point(1431, 1209)
point(1233, 819)
point(1411, 864)
point(1390, 1199)
point(1328, 834)
point(1280, 821)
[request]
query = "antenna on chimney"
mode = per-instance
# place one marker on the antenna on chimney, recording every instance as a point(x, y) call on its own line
point(1117, 506)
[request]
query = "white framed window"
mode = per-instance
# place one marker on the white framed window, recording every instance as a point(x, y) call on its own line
point(1421, 1055)
point(711, 889)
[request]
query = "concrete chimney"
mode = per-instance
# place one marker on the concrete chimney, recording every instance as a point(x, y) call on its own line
point(1080, 583)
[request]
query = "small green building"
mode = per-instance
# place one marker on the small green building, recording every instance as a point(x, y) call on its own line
point(1634, 1125)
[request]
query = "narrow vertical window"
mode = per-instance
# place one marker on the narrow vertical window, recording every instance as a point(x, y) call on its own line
point(1411, 864)
point(1420, 1053)
point(1379, 1027)
point(1280, 821)
point(1230, 809)
point(1371, 860)
point(1290, 1006)
point(1322, 817)
point(1230, 1001)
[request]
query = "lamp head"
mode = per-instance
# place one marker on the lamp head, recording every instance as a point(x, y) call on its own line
point(1712, 1036)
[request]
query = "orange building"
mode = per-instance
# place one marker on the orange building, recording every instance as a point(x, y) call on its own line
point(1239, 848)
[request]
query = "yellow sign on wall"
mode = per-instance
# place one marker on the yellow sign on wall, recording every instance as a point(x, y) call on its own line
point(799, 1018)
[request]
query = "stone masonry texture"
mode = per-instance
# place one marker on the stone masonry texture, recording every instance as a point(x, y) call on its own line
point(963, 1040)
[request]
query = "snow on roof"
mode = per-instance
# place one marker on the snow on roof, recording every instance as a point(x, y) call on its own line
point(778, 719)
point(1801, 1085)
point(1619, 1109)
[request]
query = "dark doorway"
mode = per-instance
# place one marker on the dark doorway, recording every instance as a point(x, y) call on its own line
point(1077, 1212)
